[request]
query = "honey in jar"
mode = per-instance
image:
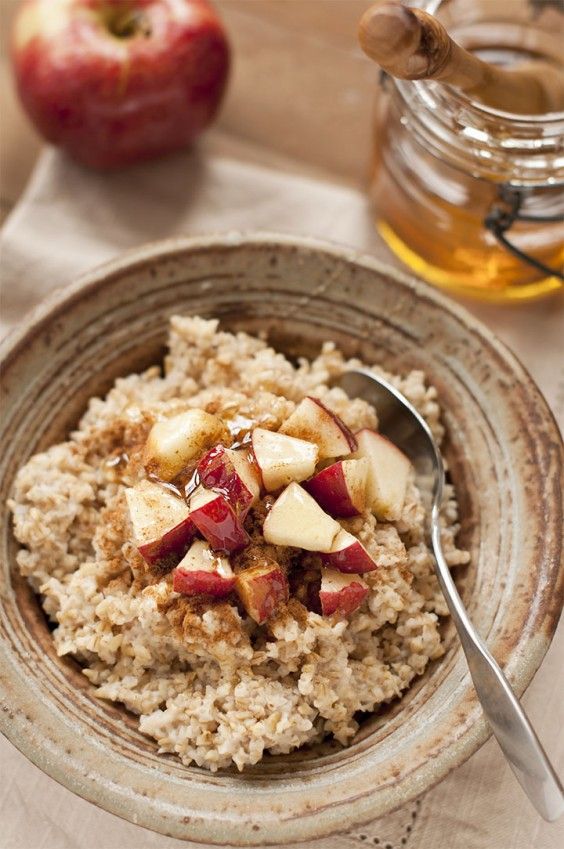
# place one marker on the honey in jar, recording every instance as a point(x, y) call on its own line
point(471, 198)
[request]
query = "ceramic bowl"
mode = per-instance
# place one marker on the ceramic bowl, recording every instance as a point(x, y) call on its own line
point(505, 455)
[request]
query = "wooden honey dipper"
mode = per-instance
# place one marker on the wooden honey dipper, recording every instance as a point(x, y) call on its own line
point(413, 45)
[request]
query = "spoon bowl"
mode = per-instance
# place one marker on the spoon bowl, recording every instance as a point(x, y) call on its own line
point(400, 422)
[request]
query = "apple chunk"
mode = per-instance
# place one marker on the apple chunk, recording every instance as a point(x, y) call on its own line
point(203, 571)
point(314, 422)
point(262, 588)
point(341, 593)
point(296, 519)
point(282, 459)
point(173, 443)
point(340, 489)
point(348, 555)
point(232, 473)
point(217, 521)
point(162, 528)
point(388, 474)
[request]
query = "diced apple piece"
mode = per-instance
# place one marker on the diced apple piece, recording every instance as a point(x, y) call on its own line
point(348, 555)
point(282, 459)
point(314, 422)
point(233, 474)
point(203, 571)
point(341, 593)
point(162, 528)
point(217, 521)
point(296, 519)
point(262, 588)
point(173, 443)
point(388, 474)
point(340, 489)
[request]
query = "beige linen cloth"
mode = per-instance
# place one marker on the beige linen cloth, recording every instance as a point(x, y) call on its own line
point(70, 220)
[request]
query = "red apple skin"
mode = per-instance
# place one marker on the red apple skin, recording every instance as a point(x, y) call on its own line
point(262, 589)
point(220, 525)
point(216, 472)
point(165, 552)
point(354, 559)
point(344, 602)
point(347, 432)
point(330, 490)
point(112, 101)
point(191, 582)
point(323, 419)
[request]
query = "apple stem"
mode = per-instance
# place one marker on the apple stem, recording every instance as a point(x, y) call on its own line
point(129, 24)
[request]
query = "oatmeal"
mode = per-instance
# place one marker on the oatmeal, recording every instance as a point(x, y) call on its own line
point(231, 550)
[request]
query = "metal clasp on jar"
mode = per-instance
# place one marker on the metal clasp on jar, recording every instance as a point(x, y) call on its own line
point(505, 211)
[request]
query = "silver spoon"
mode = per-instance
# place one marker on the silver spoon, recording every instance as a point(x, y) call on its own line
point(400, 422)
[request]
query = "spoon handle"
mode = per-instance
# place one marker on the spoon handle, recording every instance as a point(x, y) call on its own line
point(506, 717)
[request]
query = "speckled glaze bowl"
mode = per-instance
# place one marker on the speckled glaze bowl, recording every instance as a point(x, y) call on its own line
point(505, 455)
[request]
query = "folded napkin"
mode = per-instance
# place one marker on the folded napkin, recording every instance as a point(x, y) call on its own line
point(71, 219)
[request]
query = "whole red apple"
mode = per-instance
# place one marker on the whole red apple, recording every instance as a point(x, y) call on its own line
point(119, 81)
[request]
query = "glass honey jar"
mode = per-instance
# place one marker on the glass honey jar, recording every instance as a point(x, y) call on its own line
point(469, 197)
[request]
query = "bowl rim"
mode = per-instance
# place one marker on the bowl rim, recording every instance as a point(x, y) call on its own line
point(67, 293)
point(95, 279)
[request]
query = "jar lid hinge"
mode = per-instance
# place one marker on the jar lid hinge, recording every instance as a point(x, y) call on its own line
point(503, 214)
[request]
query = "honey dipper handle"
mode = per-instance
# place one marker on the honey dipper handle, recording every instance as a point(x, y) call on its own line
point(413, 45)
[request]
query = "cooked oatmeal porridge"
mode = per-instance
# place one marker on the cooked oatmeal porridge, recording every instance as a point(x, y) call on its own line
point(230, 549)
